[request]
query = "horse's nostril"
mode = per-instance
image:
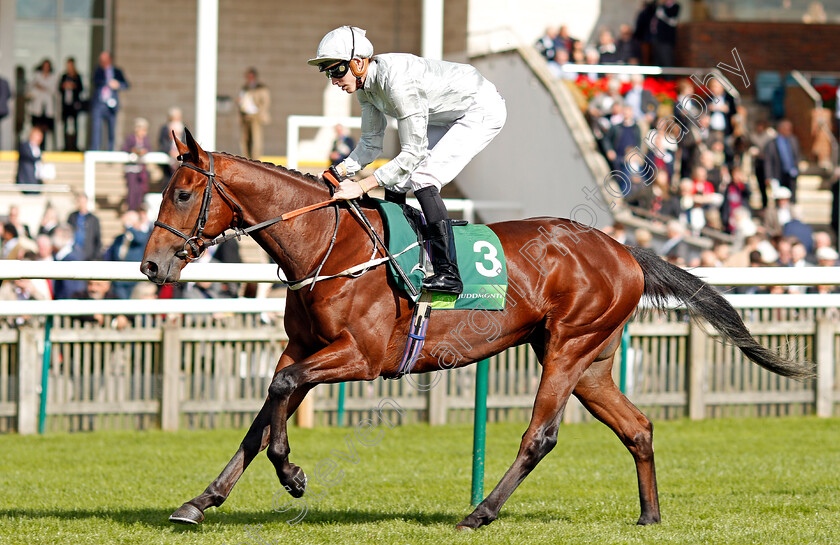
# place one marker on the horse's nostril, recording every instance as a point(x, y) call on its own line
point(149, 268)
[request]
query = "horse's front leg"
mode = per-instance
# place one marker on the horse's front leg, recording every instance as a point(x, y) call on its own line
point(341, 361)
point(192, 512)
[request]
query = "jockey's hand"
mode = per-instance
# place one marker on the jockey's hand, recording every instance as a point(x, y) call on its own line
point(348, 190)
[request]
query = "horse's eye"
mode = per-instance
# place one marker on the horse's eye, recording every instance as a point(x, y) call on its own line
point(183, 196)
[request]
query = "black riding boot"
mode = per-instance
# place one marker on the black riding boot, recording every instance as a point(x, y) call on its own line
point(394, 196)
point(446, 278)
point(438, 231)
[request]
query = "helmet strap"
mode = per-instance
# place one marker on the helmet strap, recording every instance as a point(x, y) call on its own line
point(359, 67)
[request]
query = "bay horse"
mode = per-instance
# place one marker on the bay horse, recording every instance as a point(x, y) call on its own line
point(570, 306)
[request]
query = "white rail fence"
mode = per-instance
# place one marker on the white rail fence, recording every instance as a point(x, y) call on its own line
point(249, 272)
point(205, 363)
point(91, 158)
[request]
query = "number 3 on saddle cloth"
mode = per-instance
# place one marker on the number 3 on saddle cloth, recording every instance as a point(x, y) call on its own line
point(481, 262)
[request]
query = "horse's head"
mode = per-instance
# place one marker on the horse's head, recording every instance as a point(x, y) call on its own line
point(194, 209)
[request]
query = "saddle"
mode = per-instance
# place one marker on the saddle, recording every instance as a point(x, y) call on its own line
point(481, 259)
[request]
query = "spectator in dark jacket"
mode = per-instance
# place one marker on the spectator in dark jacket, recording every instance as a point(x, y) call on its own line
point(797, 228)
point(88, 235)
point(98, 290)
point(108, 81)
point(642, 31)
point(622, 136)
point(657, 197)
point(627, 47)
point(721, 107)
point(29, 159)
point(127, 246)
point(675, 250)
point(643, 102)
point(782, 156)
point(63, 250)
point(174, 124)
point(564, 41)
point(71, 88)
point(664, 32)
point(342, 145)
point(546, 43)
point(606, 48)
point(5, 95)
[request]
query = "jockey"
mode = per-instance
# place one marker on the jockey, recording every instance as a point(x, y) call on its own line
point(446, 114)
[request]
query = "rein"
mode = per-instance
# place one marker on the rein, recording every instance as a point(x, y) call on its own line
point(196, 242)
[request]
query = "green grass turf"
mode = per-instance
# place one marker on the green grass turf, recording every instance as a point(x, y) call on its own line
point(722, 481)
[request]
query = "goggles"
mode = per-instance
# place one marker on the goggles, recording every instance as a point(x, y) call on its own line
point(337, 70)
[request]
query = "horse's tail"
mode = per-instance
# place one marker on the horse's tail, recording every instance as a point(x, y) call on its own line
point(664, 280)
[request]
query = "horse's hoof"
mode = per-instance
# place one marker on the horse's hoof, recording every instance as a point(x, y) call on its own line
point(187, 514)
point(482, 516)
point(645, 520)
point(299, 481)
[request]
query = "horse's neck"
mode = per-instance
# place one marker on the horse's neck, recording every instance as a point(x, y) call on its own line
point(296, 245)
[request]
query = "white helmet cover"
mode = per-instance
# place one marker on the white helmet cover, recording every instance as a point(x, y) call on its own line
point(343, 43)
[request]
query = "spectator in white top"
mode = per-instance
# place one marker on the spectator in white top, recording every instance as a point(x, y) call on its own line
point(42, 92)
point(827, 257)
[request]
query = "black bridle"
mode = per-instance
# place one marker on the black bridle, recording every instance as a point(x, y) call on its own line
point(195, 241)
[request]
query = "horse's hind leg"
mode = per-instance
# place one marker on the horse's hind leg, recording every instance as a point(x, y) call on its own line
point(599, 394)
point(560, 374)
point(192, 512)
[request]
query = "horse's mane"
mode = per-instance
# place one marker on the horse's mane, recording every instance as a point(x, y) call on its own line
point(280, 168)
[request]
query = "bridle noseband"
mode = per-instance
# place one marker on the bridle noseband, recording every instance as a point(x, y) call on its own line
point(195, 241)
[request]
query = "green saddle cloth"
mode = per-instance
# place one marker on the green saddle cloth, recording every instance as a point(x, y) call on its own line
point(481, 261)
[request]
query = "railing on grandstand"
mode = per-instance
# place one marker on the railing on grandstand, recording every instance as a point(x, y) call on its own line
point(714, 234)
point(296, 122)
point(622, 69)
point(91, 158)
point(35, 188)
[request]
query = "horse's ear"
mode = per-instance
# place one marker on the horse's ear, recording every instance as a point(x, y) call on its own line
point(198, 156)
point(181, 147)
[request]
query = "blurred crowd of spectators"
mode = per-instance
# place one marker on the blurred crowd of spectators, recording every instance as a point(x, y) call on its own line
point(79, 238)
point(650, 42)
point(686, 156)
point(799, 248)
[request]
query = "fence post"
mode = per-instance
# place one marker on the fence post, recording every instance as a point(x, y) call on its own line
point(339, 413)
point(479, 432)
point(624, 351)
point(171, 370)
point(436, 400)
point(696, 372)
point(28, 379)
point(45, 375)
point(305, 413)
point(825, 366)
